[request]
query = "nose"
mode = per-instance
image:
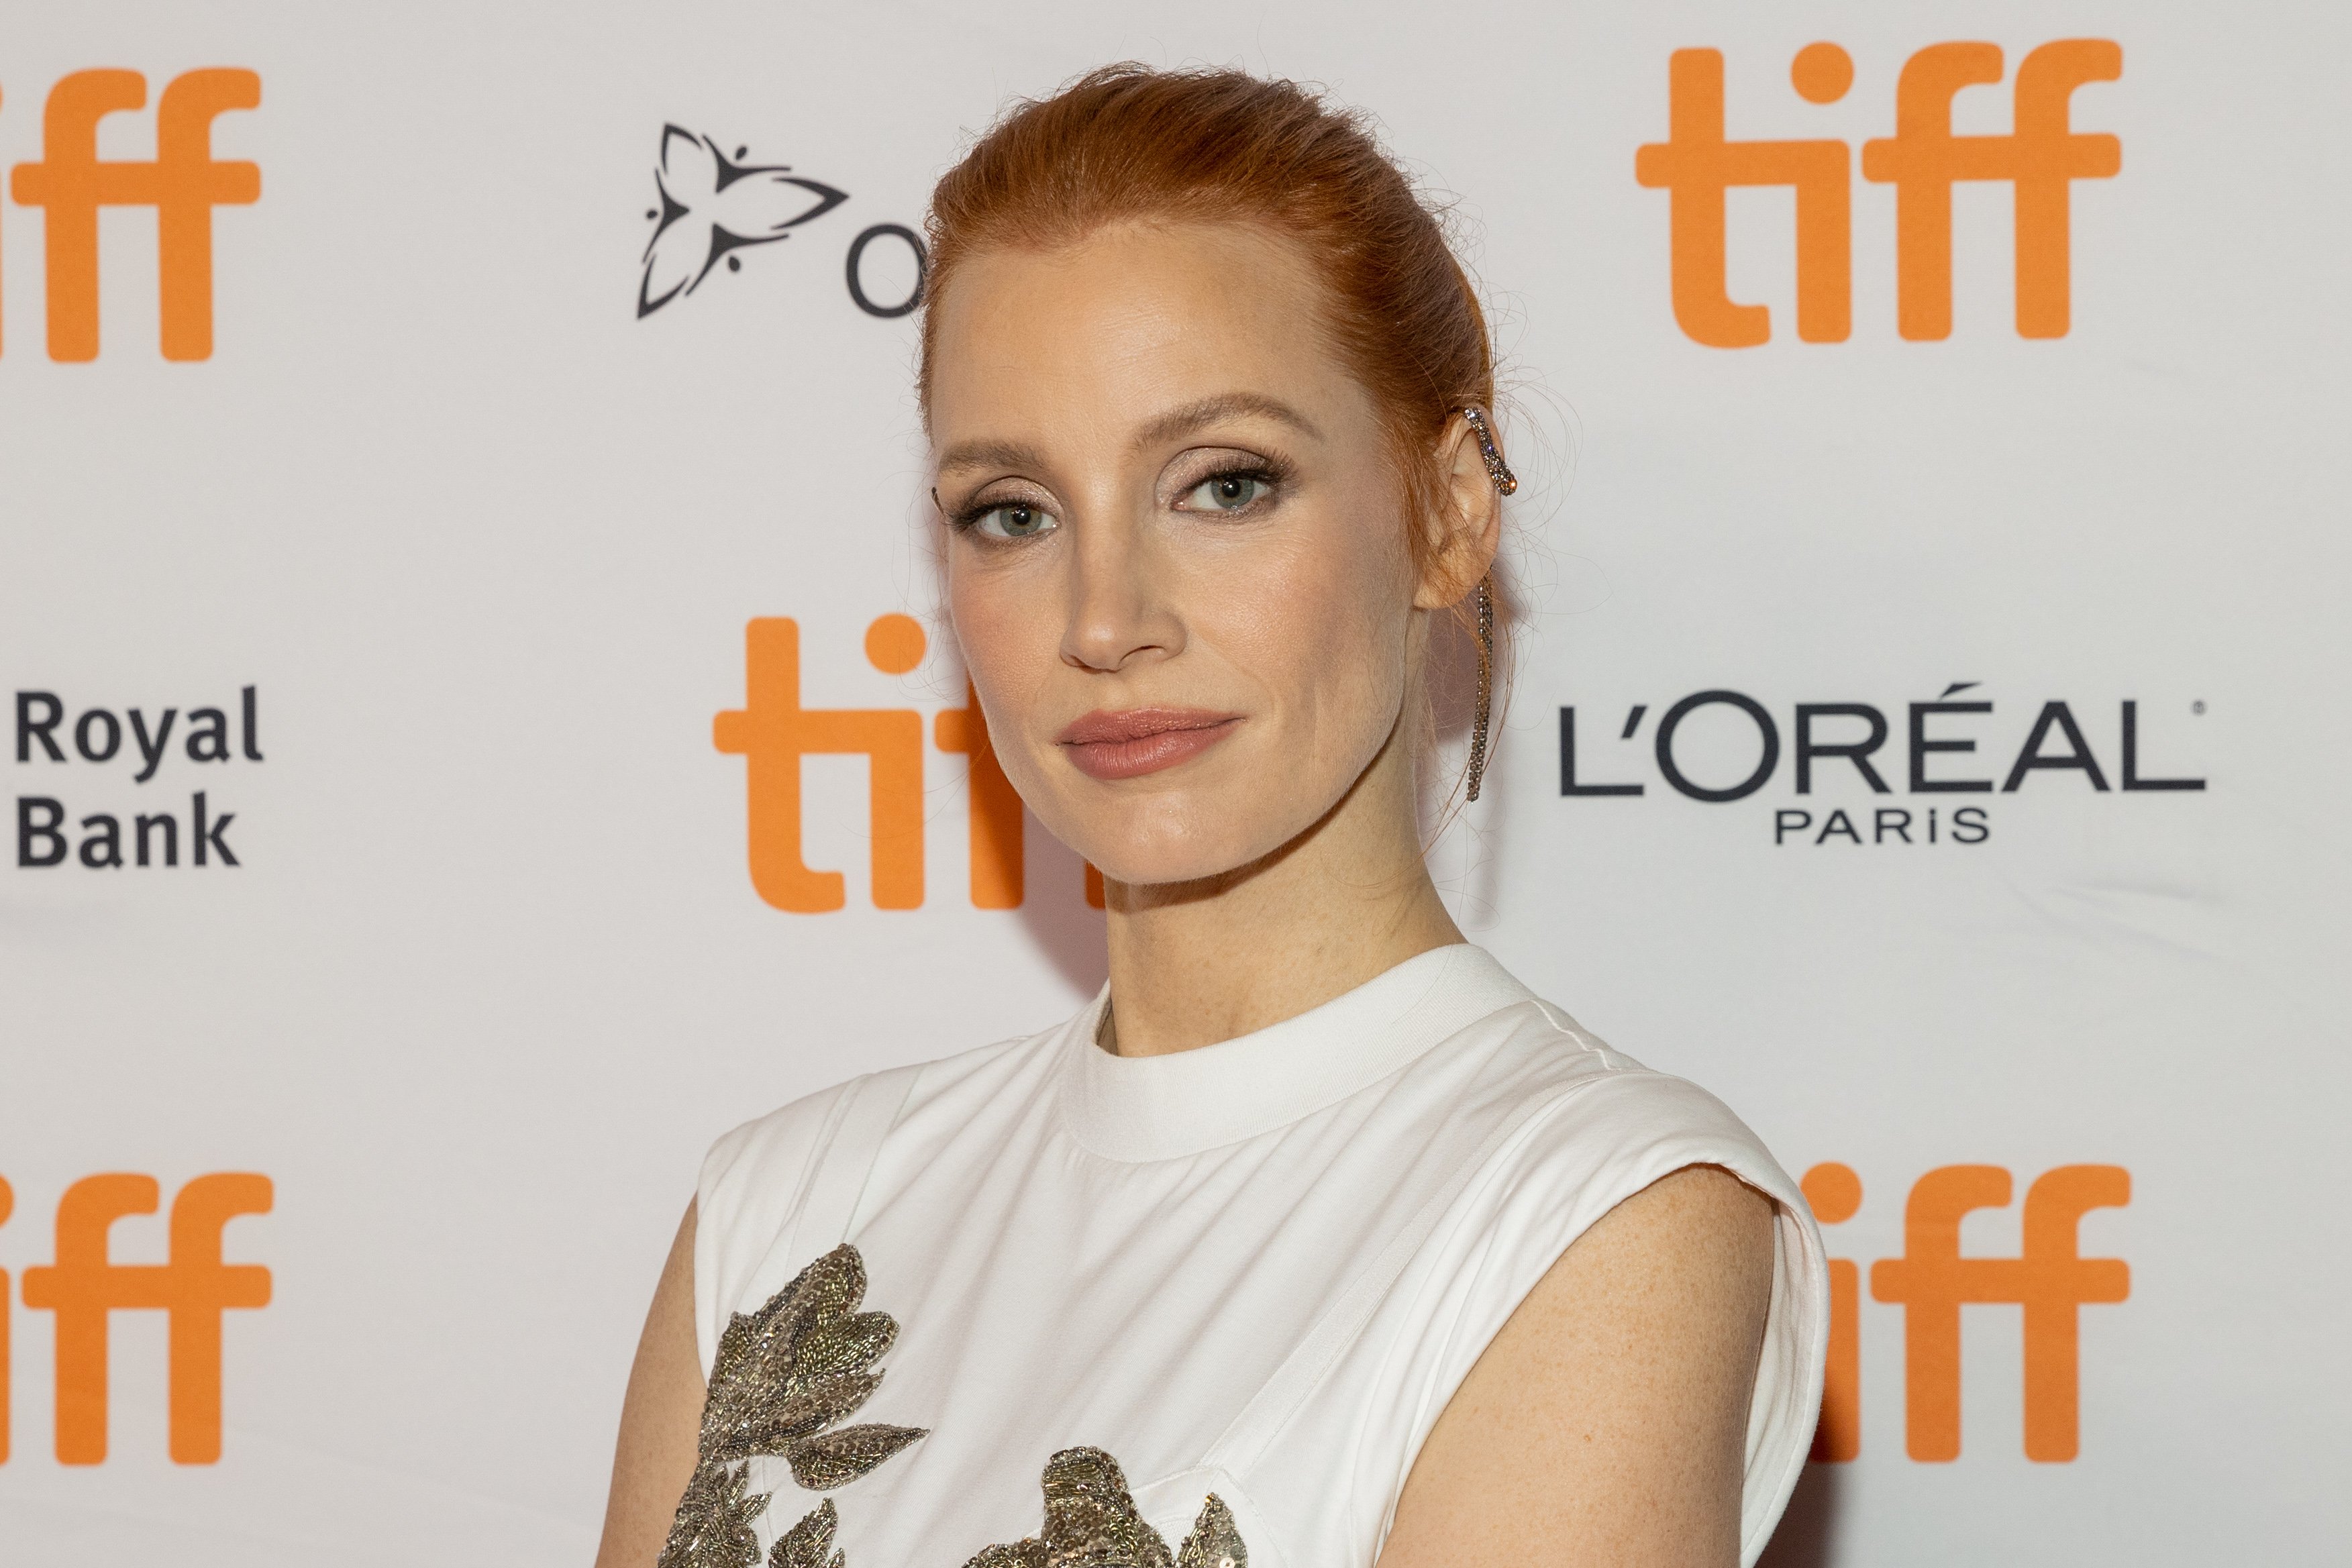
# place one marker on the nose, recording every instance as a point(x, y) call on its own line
point(1121, 609)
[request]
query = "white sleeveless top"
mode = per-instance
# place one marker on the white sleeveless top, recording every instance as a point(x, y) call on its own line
point(1256, 1270)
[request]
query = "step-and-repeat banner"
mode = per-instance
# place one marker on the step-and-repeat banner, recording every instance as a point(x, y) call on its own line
point(442, 446)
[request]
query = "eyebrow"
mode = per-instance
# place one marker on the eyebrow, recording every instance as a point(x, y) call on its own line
point(1173, 425)
point(992, 455)
point(1179, 422)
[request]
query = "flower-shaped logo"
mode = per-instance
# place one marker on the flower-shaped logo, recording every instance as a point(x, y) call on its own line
point(782, 1380)
point(711, 206)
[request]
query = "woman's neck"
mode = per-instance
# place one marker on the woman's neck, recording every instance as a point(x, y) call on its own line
point(1195, 963)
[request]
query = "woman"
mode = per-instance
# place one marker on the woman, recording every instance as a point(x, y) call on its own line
point(1316, 1240)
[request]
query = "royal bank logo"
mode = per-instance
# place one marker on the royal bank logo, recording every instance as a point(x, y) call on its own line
point(2039, 158)
point(102, 749)
point(710, 208)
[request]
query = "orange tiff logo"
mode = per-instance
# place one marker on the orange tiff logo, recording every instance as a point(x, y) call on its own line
point(2039, 158)
point(1932, 1280)
point(772, 732)
point(84, 1287)
point(181, 182)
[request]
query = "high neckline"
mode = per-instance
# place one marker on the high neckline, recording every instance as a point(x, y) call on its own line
point(1141, 1108)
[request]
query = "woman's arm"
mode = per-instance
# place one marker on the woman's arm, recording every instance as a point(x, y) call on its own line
point(661, 1417)
point(1607, 1423)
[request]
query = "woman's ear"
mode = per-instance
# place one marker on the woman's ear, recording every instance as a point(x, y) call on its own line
point(1468, 528)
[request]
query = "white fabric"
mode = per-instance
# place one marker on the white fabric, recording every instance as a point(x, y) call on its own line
point(1260, 1268)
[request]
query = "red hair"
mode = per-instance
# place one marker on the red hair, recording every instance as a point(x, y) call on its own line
point(1126, 143)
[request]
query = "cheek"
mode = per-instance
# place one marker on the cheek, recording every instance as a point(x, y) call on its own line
point(1007, 629)
point(1324, 625)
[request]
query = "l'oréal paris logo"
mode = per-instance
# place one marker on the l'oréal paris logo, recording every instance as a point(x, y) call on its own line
point(1720, 745)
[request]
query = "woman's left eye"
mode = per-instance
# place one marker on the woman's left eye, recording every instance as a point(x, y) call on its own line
point(1227, 493)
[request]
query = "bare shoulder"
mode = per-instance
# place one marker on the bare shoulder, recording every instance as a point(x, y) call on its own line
point(1607, 1422)
point(660, 1416)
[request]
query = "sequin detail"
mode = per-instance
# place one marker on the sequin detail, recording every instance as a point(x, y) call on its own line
point(1091, 1523)
point(785, 1375)
point(1215, 1540)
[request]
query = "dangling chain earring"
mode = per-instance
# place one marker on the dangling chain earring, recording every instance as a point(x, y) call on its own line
point(1505, 482)
point(1485, 687)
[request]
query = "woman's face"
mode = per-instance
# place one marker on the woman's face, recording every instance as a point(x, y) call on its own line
point(1177, 560)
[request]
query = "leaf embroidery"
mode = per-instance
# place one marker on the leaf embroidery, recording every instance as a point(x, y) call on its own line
point(782, 1379)
point(832, 1459)
point(809, 1543)
point(1091, 1523)
point(1215, 1540)
point(787, 1375)
point(713, 1527)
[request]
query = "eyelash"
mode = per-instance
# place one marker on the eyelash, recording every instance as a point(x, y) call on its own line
point(1274, 475)
point(966, 521)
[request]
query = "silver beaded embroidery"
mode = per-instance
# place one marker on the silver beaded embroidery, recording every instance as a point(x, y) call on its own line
point(785, 1375)
point(1091, 1523)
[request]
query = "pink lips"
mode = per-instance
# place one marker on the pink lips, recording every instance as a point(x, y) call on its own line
point(1138, 741)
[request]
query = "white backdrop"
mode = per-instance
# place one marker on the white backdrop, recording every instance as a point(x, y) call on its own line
point(488, 972)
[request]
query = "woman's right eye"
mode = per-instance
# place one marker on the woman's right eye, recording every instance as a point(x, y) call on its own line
point(1015, 520)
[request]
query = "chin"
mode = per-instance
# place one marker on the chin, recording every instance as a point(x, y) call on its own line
point(1158, 845)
